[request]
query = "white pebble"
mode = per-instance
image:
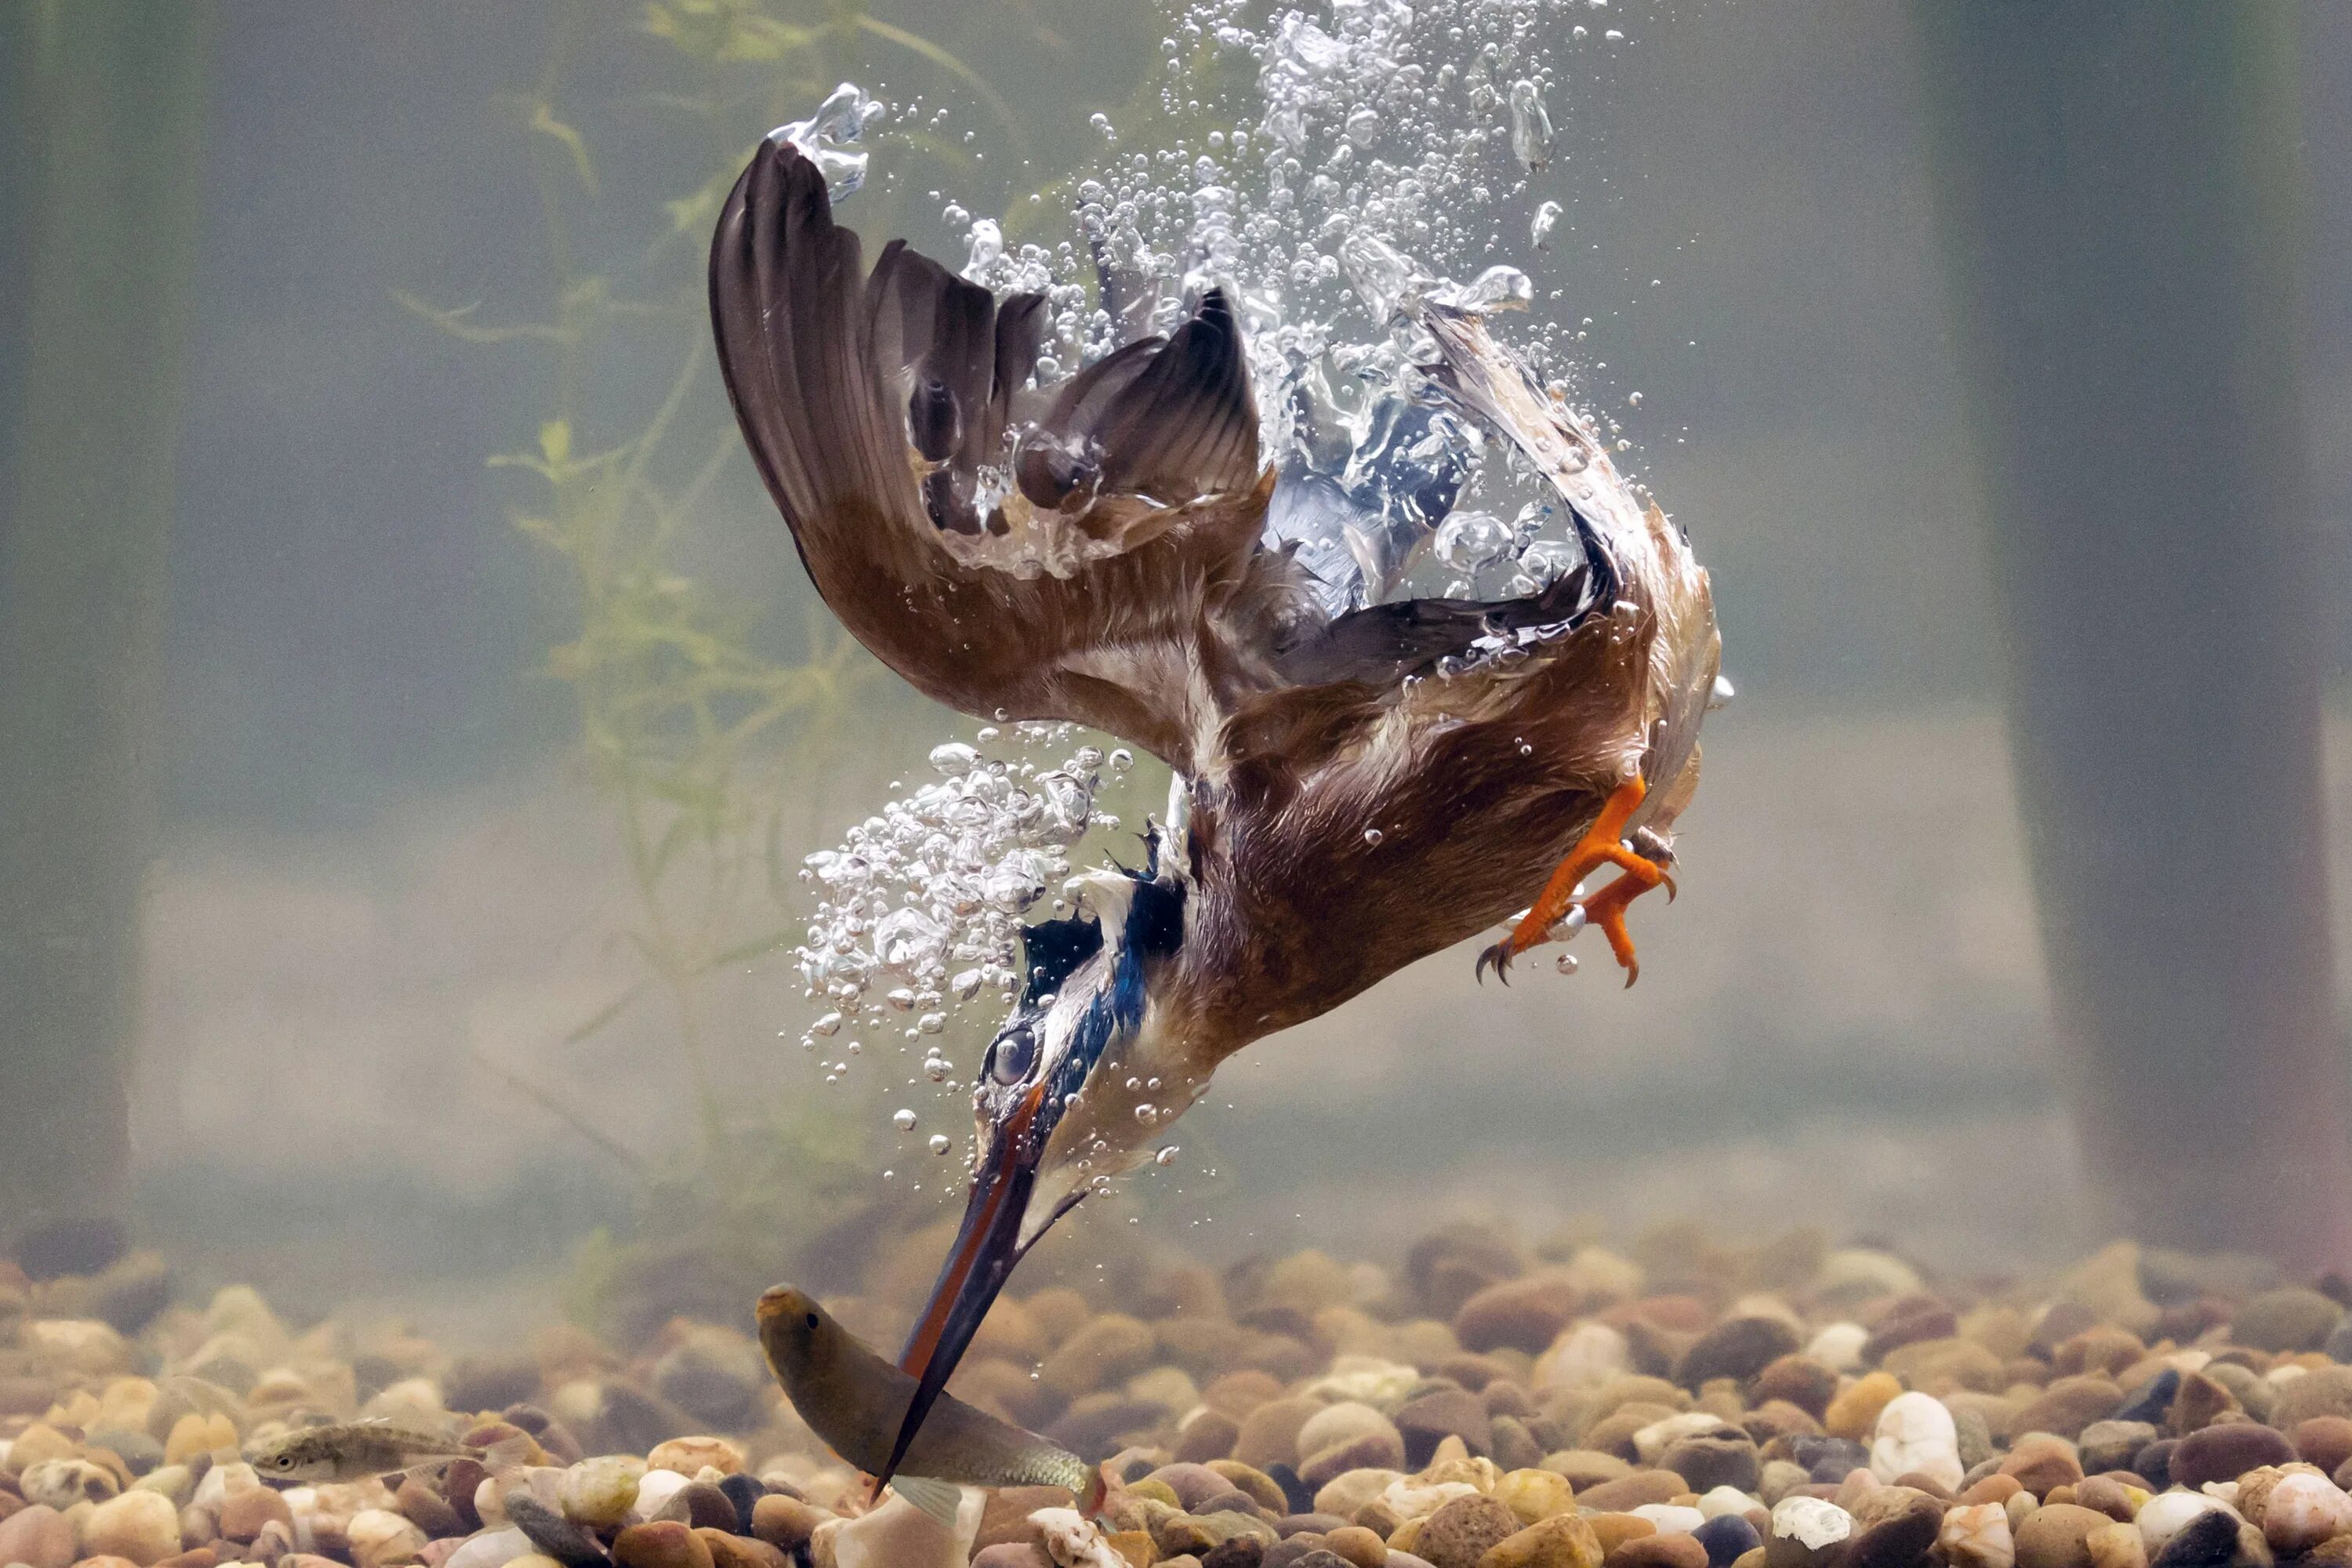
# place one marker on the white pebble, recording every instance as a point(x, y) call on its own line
point(657, 1487)
point(2162, 1517)
point(1839, 1346)
point(1811, 1523)
point(1672, 1519)
point(1976, 1535)
point(2305, 1511)
point(1725, 1500)
point(491, 1549)
point(1916, 1434)
point(1585, 1356)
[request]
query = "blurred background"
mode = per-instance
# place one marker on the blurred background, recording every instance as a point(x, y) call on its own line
point(348, 938)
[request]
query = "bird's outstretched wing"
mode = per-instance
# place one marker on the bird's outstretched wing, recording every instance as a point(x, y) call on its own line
point(1009, 550)
point(1097, 549)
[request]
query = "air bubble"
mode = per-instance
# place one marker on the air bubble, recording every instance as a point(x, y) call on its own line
point(904, 1121)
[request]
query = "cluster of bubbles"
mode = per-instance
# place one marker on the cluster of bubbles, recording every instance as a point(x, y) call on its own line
point(1387, 149)
point(918, 912)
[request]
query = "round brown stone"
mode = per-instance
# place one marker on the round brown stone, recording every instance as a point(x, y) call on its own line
point(1737, 1348)
point(1461, 1532)
point(2225, 1452)
point(2053, 1536)
point(2069, 1405)
point(1675, 1550)
point(2323, 1440)
point(1800, 1380)
point(663, 1544)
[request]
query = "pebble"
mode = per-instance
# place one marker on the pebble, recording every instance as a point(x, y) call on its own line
point(1800, 1380)
point(2322, 1391)
point(2069, 1405)
point(548, 1531)
point(1915, 1435)
point(38, 1535)
point(662, 1543)
point(1805, 1530)
point(1726, 1537)
point(1737, 1348)
point(379, 1537)
point(1587, 1355)
point(489, 1549)
point(1898, 1539)
point(2117, 1545)
point(2041, 1461)
point(2113, 1444)
point(2303, 1510)
point(1523, 1314)
point(1425, 1422)
point(1976, 1535)
point(1678, 1550)
point(2164, 1515)
point(1353, 1544)
point(1633, 1491)
point(245, 1514)
point(1458, 1534)
point(1855, 1412)
point(1108, 1350)
point(1671, 1518)
point(1838, 1346)
point(898, 1535)
point(2208, 1540)
point(785, 1522)
point(690, 1457)
point(2223, 1452)
point(2053, 1536)
point(2295, 1318)
point(599, 1492)
point(1652, 1441)
point(1563, 1541)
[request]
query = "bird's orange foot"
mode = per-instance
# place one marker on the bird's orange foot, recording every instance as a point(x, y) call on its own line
point(1602, 845)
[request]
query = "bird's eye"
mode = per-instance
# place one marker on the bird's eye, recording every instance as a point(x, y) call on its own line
point(1015, 1054)
point(811, 1319)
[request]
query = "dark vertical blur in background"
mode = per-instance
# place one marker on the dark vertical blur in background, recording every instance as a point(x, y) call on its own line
point(384, 890)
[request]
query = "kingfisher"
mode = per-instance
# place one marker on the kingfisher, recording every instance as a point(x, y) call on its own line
point(1355, 786)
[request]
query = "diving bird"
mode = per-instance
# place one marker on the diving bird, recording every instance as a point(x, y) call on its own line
point(1353, 790)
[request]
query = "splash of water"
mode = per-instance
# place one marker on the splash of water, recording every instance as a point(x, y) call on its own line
point(1388, 149)
point(829, 138)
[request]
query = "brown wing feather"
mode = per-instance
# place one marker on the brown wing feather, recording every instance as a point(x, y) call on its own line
point(871, 406)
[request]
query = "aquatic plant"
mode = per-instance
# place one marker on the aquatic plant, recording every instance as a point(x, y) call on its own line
point(716, 743)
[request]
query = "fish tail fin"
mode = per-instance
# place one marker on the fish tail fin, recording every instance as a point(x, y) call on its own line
point(939, 1500)
point(1092, 1501)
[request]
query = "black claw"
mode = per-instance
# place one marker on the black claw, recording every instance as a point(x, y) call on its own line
point(1500, 955)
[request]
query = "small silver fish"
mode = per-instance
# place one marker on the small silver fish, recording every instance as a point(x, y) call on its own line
point(358, 1449)
point(855, 1401)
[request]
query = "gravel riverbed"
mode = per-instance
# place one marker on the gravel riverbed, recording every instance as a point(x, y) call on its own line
point(1676, 1403)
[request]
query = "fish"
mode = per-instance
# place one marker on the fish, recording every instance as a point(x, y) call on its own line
point(355, 1451)
point(856, 1401)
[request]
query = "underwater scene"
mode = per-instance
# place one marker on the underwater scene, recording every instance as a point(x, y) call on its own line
point(1228, 783)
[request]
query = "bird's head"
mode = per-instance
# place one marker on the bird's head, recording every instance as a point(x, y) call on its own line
point(1092, 1061)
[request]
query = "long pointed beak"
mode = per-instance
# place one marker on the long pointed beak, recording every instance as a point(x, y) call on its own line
point(986, 1248)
